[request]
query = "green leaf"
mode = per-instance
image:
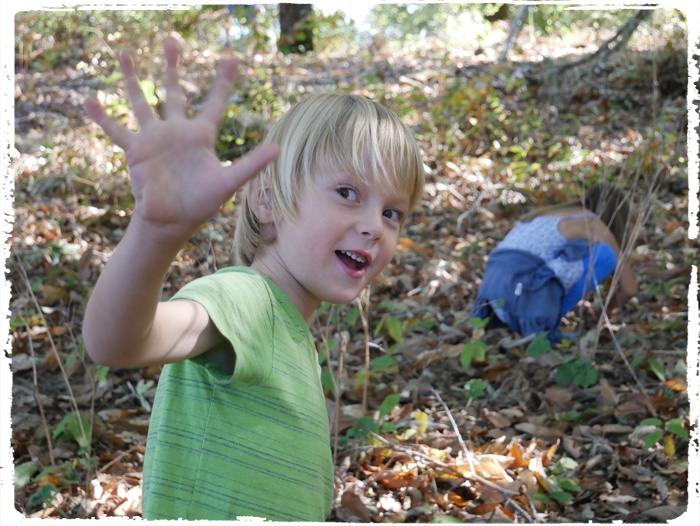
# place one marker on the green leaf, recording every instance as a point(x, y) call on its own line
point(394, 329)
point(586, 377)
point(675, 426)
point(327, 380)
point(651, 422)
point(387, 427)
point(44, 494)
point(570, 485)
point(102, 371)
point(75, 429)
point(653, 438)
point(562, 496)
point(23, 474)
point(567, 463)
point(366, 424)
point(542, 497)
point(637, 360)
point(571, 416)
point(352, 316)
point(149, 91)
point(383, 363)
point(657, 369)
point(114, 77)
point(389, 403)
point(538, 346)
point(478, 323)
point(475, 388)
point(446, 519)
point(473, 350)
point(422, 420)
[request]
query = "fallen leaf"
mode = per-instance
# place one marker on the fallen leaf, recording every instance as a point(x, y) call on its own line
point(354, 505)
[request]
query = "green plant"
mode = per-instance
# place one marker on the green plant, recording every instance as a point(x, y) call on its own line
point(671, 427)
point(74, 427)
point(539, 346)
point(573, 371)
point(474, 388)
point(474, 349)
point(365, 426)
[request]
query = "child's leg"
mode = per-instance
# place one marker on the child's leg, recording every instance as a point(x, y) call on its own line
point(604, 261)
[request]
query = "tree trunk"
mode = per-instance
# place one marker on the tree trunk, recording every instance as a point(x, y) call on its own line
point(295, 29)
point(614, 43)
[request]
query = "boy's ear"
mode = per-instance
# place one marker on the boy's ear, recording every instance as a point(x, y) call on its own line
point(260, 204)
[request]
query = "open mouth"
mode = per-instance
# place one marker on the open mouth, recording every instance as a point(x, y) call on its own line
point(352, 260)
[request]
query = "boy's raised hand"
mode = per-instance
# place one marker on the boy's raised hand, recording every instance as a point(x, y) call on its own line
point(177, 179)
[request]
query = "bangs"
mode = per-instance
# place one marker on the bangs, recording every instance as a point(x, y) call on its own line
point(366, 141)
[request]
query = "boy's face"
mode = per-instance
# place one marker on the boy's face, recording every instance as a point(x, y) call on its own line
point(344, 234)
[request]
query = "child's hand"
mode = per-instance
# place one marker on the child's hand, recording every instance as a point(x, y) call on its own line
point(177, 179)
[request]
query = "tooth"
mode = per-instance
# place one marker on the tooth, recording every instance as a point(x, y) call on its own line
point(355, 257)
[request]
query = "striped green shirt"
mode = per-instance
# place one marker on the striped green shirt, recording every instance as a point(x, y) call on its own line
point(254, 444)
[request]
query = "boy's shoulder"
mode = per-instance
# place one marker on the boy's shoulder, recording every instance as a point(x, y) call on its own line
point(238, 281)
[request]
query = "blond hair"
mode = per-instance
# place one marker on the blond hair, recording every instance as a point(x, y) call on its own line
point(330, 132)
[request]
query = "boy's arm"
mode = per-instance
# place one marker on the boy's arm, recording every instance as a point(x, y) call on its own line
point(126, 324)
point(178, 184)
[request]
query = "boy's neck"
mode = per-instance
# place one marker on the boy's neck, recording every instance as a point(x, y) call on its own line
point(305, 303)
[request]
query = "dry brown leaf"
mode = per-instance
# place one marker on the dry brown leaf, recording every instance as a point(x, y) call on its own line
point(456, 499)
point(482, 509)
point(494, 466)
point(51, 361)
point(613, 429)
point(516, 451)
point(396, 481)
point(507, 512)
point(496, 419)
point(559, 395)
point(539, 431)
point(678, 384)
point(631, 406)
point(406, 243)
point(354, 505)
point(664, 406)
point(50, 294)
point(607, 391)
point(84, 263)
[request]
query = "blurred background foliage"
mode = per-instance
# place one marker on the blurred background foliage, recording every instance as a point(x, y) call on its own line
point(48, 38)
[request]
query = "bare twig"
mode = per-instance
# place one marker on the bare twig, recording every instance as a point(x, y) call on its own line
point(467, 454)
point(505, 492)
point(365, 329)
point(120, 456)
point(475, 204)
point(54, 349)
point(37, 394)
point(338, 391)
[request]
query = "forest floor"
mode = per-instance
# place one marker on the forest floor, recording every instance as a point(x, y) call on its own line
point(449, 424)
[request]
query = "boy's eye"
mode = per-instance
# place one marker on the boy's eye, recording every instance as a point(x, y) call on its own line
point(393, 215)
point(347, 192)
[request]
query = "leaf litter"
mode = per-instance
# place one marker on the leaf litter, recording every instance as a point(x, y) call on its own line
point(430, 432)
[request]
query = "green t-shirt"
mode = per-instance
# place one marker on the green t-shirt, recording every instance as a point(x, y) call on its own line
point(254, 444)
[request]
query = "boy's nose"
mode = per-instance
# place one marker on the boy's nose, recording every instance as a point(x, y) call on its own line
point(371, 227)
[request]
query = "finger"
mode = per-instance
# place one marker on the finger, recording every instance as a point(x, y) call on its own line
point(115, 131)
point(249, 165)
point(142, 109)
point(174, 101)
point(218, 97)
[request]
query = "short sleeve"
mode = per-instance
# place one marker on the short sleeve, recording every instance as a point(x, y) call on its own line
point(238, 302)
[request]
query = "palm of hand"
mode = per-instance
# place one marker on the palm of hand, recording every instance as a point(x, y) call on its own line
point(177, 179)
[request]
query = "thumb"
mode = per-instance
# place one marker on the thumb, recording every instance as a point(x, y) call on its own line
point(249, 165)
